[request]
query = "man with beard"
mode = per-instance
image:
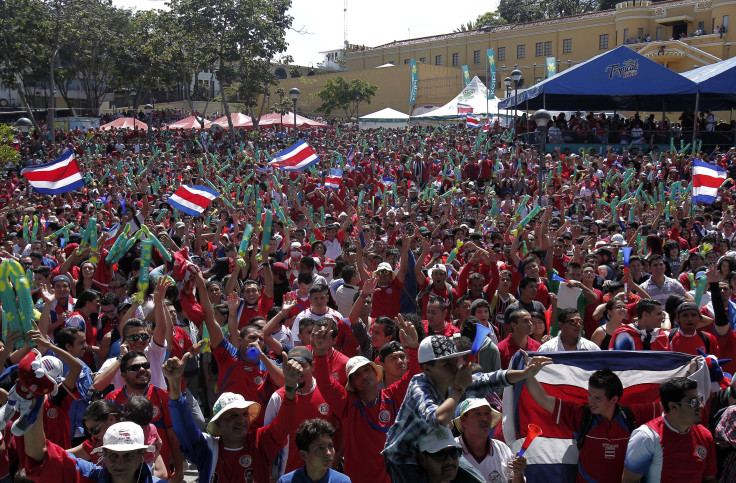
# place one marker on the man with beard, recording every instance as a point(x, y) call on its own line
point(136, 371)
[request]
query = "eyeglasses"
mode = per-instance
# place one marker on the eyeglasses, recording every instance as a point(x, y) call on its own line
point(694, 403)
point(137, 337)
point(453, 453)
point(138, 367)
point(575, 321)
point(96, 430)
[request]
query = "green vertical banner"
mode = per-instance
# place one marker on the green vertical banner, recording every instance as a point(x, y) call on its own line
point(414, 83)
point(466, 75)
point(492, 71)
point(551, 63)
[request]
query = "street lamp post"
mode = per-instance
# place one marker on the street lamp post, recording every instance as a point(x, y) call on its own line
point(542, 118)
point(534, 66)
point(149, 115)
point(24, 125)
point(516, 75)
point(294, 93)
point(507, 81)
point(357, 105)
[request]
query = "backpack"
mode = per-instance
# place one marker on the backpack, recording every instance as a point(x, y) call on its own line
point(587, 422)
point(706, 340)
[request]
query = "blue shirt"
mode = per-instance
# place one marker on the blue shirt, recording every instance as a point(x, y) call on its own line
point(300, 476)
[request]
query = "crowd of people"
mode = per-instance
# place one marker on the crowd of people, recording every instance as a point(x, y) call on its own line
point(363, 329)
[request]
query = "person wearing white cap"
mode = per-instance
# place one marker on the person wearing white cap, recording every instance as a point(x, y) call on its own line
point(432, 397)
point(439, 459)
point(230, 452)
point(492, 458)
point(123, 452)
point(387, 298)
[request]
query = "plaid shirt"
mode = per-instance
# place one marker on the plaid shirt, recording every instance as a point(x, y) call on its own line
point(417, 413)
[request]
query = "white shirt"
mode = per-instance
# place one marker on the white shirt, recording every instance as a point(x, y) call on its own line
point(494, 466)
point(155, 354)
point(308, 313)
point(555, 345)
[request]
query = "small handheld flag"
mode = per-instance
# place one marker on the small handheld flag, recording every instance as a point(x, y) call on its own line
point(472, 121)
point(707, 178)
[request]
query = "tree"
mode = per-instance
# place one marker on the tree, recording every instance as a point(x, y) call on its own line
point(488, 19)
point(285, 104)
point(235, 39)
point(8, 155)
point(338, 94)
point(517, 11)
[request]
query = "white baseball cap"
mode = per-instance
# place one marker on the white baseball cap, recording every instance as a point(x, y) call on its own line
point(125, 436)
point(474, 403)
point(437, 439)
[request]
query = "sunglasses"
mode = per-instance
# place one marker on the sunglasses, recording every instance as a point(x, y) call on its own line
point(138, 367)
point(96, 430)
point(453, 453)
point(137, 337)
point(575, 321)
point(694, 403)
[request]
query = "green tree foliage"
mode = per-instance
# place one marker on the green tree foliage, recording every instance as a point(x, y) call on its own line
point(517, 11)
point(338, 94)
point(488, 19)
point(7, 153)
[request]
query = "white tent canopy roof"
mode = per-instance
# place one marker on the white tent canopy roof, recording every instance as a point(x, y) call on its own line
point(474, 95)
point(385, 114)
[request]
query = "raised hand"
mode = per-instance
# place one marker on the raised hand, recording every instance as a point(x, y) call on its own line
point(292, 372)
point(370, 286)
point(407, 333)
point(173, 368)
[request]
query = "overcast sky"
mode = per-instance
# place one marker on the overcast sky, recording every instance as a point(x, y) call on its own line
point(369, 23)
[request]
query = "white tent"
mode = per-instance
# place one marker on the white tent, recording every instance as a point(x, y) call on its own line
point(386, 118)
point(474, 96)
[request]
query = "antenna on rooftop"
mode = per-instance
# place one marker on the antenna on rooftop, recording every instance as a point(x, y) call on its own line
point(345, 26)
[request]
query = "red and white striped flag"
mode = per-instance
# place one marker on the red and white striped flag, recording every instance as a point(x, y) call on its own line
point(296, 158)
point(58, 176)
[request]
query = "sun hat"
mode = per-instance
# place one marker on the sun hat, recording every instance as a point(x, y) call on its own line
point(474, 403)
point(356, 363)
point(228, 401)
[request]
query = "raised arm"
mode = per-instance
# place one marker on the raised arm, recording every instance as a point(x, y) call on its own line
point(163, 332)
point(216, 335)
point(540, 396)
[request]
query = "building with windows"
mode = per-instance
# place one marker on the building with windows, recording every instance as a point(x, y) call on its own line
point(680, 34)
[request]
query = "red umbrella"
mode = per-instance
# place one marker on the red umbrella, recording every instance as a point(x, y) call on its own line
point(125, 123)
point(275, 118)
point(190, 122)
point(239, 121)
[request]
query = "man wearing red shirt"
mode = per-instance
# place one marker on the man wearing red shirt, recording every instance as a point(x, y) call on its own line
point(559, 259)
point(647, 333)
point(687, 338)
point(387, 300)
point(436, 323)
point(87, 304)
point(254, 300)
point(365, 412)
point(518, 339)
point(674, 446)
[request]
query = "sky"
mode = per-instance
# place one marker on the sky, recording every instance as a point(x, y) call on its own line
point(369, 23)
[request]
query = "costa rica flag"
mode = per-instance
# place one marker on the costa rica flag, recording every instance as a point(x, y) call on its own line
point(58, 176)
point(554, 454)
point(707, 178)
point(192, 200)
point(471, 121)
point(296, 158)
point(334, 180)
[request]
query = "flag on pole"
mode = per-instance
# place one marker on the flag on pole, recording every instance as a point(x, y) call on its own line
point(472, 121)
point(296, 158)
point(334, 180)
point(555, 455)
point(492, 71)
point(464, 109)
point(414, 83)
point(707, 178)
point(192, 200)
point(58, 176)
point(466, 75)
point(487, 125)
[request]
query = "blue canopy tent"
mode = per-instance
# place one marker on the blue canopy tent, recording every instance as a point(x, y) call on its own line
point(619, 79)
point(716, 86)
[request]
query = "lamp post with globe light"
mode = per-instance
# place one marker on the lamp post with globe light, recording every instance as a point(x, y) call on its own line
point(542, 118)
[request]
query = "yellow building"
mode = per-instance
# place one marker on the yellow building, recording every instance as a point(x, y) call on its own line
point(680, 34)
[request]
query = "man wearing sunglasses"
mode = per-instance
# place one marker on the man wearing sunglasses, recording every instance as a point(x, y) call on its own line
point(674, 446)
point(439, 458)
point(570, 337)
point(136, 372)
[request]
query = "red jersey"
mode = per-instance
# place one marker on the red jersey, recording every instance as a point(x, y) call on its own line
point(627, 337)
point(689, 344)
point(182, 343)
point(237, 375)
point(604, 450)
point(447, 331)
point(508, 348)
point(387, 301)
point(56, 421)
point(247, 312)
point(560, 264)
